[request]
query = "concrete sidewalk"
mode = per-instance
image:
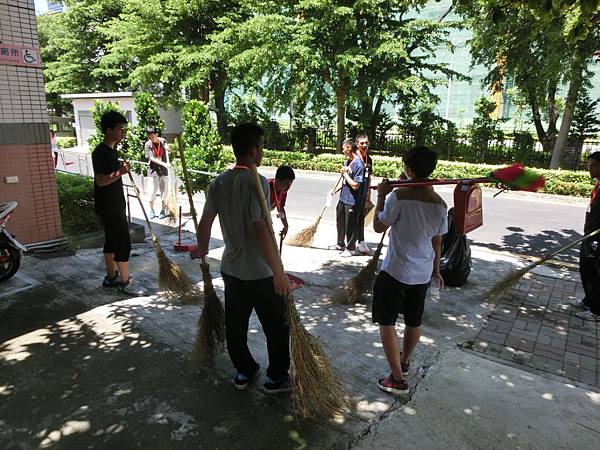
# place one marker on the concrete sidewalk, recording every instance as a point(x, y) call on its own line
point(83, 367)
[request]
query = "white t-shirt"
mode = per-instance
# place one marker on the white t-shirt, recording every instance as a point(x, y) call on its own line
point(415, 216)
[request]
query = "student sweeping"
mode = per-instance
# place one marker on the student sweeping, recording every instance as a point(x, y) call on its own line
point(417, 219)
point(278, 188)
point(109, 201)
point(252, 271)
point(156, 150)
point(362, 143)
point(351, 200)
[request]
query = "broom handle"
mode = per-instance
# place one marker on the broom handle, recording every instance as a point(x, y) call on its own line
point(334, 188)
point(560, 250)
point(410, 183)
point(188, 187)
point(137, 193)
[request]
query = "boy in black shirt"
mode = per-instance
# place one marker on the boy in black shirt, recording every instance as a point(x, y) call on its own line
point(589, 257)
point(109, 201)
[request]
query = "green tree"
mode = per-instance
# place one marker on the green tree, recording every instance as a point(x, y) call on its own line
point(314, 52)
point(162, 46)
point(568, 36)
point(202, 144)
point(484, 127)
point(586, 122)
point(72, 45)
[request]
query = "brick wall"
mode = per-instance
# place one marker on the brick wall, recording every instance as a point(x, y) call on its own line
point(24, 133)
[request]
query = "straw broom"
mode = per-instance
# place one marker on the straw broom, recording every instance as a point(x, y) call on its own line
point(172, 205)
point(317, 389)
point(210, 334)
point(362, 283)
point(170, 276)
point(305, 237)
point(508, 281)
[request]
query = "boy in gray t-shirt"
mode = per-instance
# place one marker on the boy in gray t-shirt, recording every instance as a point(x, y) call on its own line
point(252, 271)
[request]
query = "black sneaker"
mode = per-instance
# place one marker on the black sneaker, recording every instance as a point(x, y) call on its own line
point(111, 282)
point(240, 381)
point(393, 386)
point(277, 387)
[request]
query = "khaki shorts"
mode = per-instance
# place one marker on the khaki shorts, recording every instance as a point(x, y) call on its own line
point(160, 183)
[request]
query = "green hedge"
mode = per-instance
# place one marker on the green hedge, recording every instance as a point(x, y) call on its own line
point(76, 202)
point(66, 142)
point(560, 182)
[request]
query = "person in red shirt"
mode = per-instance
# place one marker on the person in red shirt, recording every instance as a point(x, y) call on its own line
point(278, 189)
point(589, 257)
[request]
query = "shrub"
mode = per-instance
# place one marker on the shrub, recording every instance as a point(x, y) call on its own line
point(98, 109)
point(66, 142)
point(202, 143)
point(146, 108)
point(76, 202)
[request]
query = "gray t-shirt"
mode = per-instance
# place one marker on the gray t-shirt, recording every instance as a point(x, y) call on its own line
point(232, 196)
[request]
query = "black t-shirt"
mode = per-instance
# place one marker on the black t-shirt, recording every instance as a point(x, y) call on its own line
point(105, 161)
point(592, 217)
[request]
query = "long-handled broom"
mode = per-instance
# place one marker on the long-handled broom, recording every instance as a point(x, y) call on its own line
point(317, 389)
point(170, 276)
point(172, 205)
point(509, 280)
point(362, 283)
point(210, 334)
point(305, 237)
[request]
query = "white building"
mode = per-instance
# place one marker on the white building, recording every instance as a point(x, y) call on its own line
point(84, 124)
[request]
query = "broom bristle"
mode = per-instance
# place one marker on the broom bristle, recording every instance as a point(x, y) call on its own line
point(360, 284)
point(305, 237)
point(317, 390)
point(173, 208)
point(507, 282)
point(210, 334)
point(170, 276)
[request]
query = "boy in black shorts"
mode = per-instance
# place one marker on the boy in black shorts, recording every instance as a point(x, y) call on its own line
point(417, 219)
point(109, 201)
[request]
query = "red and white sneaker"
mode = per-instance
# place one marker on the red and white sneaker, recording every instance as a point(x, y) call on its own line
point(393, 386)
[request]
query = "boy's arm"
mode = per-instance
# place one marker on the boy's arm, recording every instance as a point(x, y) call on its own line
point(204, 230)
point(383, 189)
point(104, 179)
point(436, 242)
point(285, 224)
point(262, 233)
point(353, 184)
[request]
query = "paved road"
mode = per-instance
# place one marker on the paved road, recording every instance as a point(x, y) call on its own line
point(518, 223)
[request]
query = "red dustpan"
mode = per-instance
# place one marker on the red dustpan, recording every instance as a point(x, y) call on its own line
point(295, 282)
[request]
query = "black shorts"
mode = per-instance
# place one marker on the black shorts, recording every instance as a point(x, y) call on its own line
point(116, 233)
point(391, 297)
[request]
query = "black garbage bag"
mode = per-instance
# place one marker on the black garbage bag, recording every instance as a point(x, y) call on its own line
point(455, 264)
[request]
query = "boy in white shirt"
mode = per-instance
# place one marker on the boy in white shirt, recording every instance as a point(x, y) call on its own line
point(417, 218)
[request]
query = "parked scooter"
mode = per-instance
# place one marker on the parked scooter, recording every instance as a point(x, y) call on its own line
point(10, 248)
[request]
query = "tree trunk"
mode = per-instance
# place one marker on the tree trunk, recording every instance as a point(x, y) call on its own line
point(220, 111)
point(341, 116)
point(375, 119)
point(567, 119)
point(552, 110)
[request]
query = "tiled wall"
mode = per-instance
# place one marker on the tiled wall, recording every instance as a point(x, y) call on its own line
point(24, 134)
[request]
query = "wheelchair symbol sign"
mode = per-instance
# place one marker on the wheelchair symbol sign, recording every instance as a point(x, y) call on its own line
point(30, 57)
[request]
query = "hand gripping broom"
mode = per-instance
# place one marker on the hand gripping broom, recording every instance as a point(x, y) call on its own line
point(305, 237)
point(210, 334)
point(170, 276)
point(362, 283)
point(317, 389)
